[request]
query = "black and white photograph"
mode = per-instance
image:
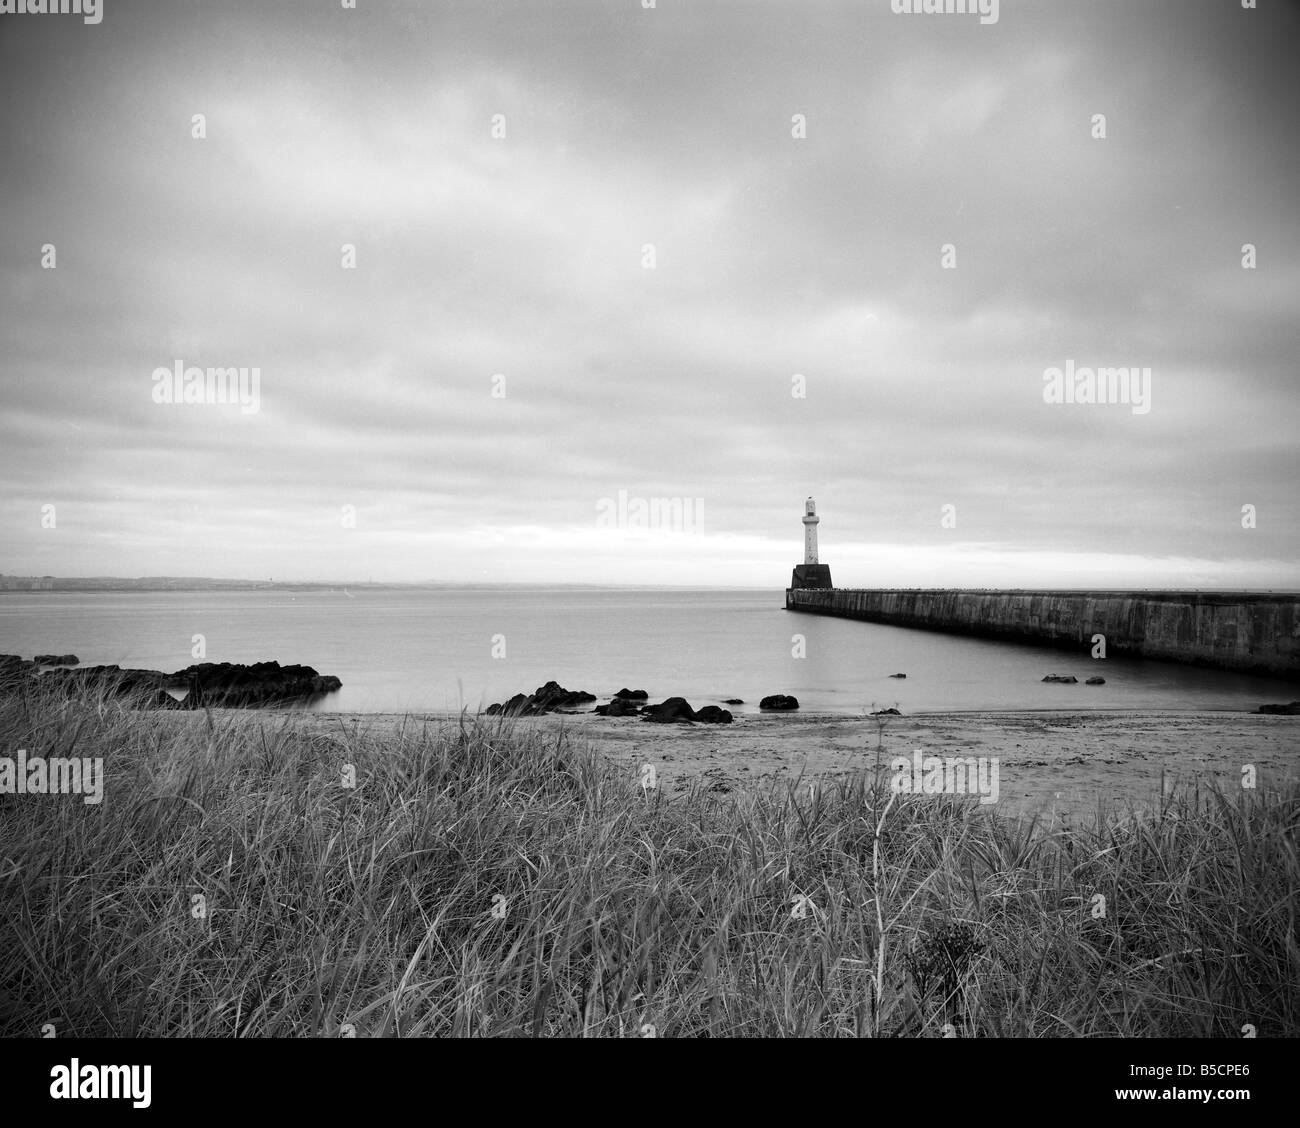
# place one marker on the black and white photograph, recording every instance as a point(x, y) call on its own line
point(650, 519)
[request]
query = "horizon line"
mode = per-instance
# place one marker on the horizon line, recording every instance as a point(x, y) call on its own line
point(482, 584)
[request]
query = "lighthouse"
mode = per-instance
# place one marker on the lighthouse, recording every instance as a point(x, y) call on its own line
point(810, 523)
point(810, 574)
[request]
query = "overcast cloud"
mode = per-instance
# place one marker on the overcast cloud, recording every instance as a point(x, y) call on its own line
point(774, 255)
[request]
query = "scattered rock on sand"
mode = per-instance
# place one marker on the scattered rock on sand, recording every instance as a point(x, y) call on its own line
point(1062, 679)
point(669, 711)
point(886, 713)
point(779, 702)
point(1095, 681)
point(550, 696)
point(678, 709)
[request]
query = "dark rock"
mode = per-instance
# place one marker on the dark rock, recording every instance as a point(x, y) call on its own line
point(733, 701)
point(712, 715)
point(209, 684)
point(14, 667)
point(519, 705)
point(1292, 710)
point(1095, 681)
point(56, 660)
point(619, 707)
point(552, 695)
point(633, 695)
point(545, 698)
point(886, 713)
point(238, 686)
point(1062, 679)
point(669, 711)
point(779, 702)
point(898, 675)
point(141, 688)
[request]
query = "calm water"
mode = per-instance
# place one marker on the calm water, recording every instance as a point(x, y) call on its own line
point(433, 650)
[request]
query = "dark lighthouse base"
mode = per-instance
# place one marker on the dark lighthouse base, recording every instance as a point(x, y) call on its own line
point(811, 576)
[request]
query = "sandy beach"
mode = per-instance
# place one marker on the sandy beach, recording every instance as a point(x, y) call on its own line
point(1058, 763)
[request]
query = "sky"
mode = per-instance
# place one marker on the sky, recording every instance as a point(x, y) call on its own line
point(626, 285)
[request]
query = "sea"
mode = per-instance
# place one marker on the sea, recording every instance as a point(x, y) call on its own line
point(443, 650)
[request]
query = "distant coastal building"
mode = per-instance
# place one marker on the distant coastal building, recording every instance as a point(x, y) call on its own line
point(26, 583)
point(810, 574)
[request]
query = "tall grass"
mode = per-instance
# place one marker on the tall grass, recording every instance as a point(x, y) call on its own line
point(489, 878)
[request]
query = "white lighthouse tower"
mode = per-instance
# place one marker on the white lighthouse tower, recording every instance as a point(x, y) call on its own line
point(810, 523)
point(810, 574)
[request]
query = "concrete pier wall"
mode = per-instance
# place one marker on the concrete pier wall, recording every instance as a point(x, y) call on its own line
point(1246, 632)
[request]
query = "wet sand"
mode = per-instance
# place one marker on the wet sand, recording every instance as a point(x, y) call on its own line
point(1058, 763)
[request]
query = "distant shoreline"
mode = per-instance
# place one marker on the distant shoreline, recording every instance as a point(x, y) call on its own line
point(127, 587)
point(124, 584)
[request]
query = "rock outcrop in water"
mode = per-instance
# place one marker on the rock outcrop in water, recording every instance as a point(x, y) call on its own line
point(142, 689)
point(209, 684)
point(13, 667)
point(633, 695)
point(1291, 710)
point(517, 706)
point(779, 702)
point(56, 660)
point(619, 707)
point(231, 685)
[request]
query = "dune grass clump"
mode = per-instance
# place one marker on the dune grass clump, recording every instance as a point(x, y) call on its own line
point(264, 874)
